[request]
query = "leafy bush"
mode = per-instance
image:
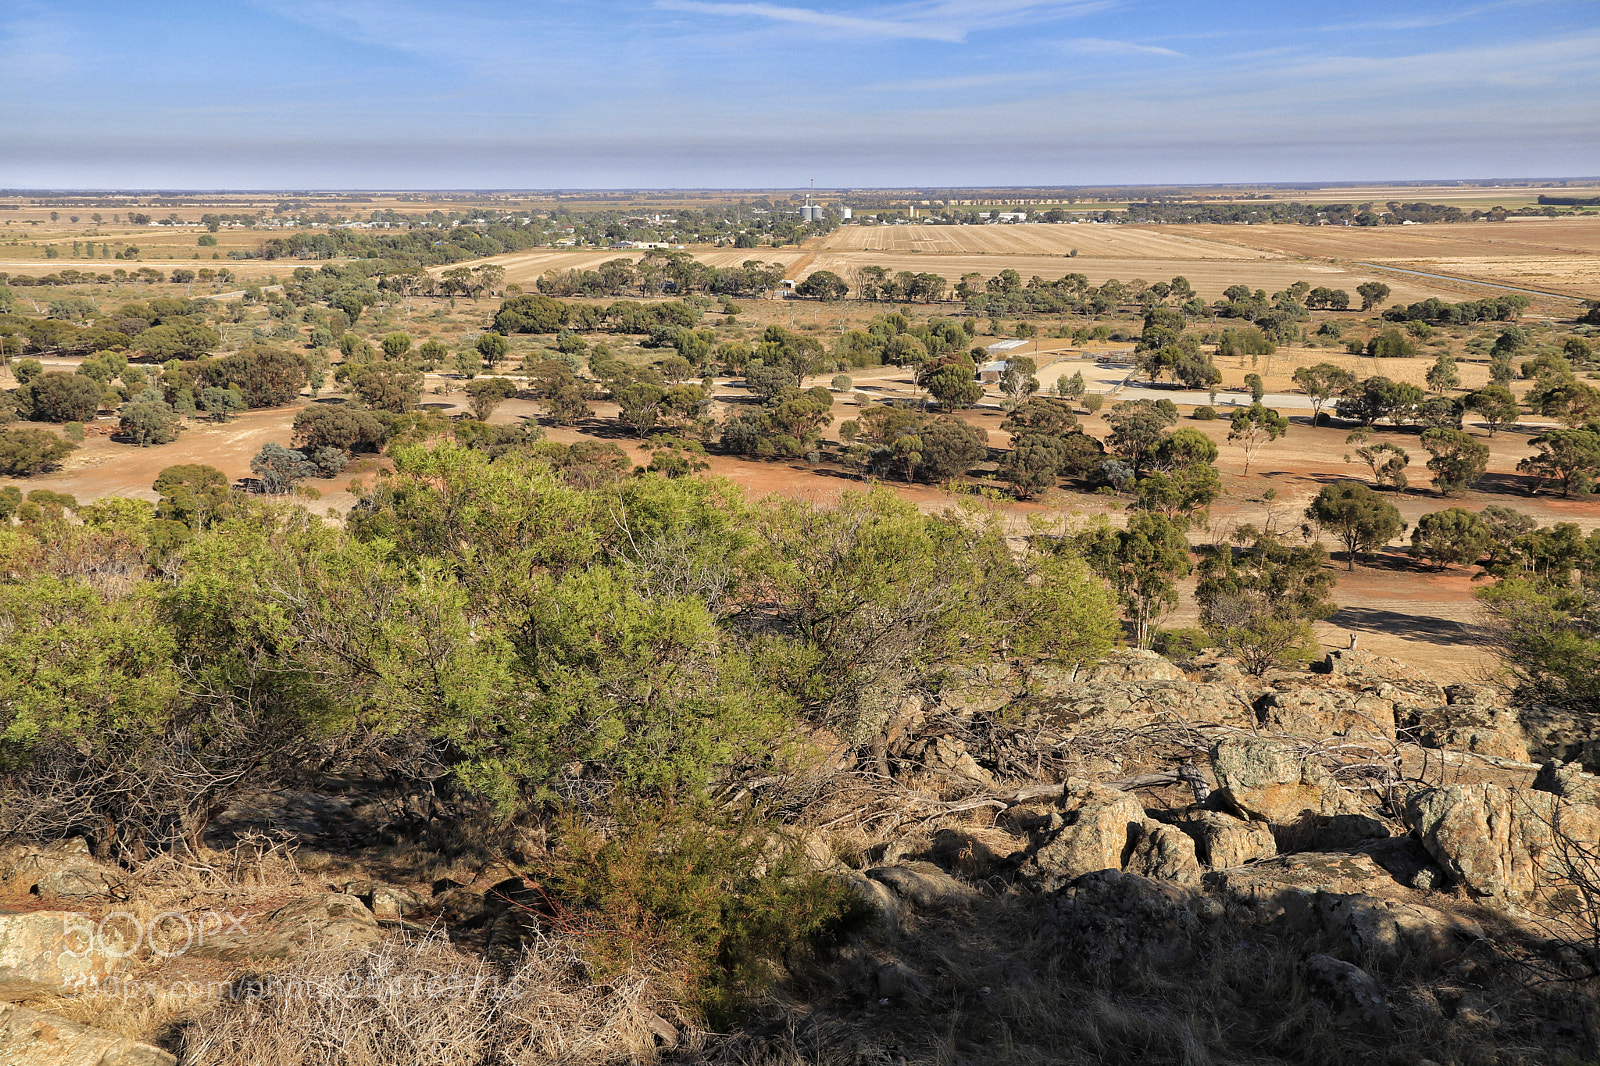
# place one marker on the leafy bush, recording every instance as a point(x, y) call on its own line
point(714, 908)
point(28, 451)
point(1182, 643)
point(1204, 413)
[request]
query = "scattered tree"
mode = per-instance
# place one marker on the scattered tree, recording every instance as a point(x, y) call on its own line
point(1450, 537)
point(1359, 517)
point(1142, 563)
point(1458, 459)
point(1254, 427)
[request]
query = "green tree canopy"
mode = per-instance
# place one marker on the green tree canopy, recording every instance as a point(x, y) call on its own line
point(1359, 517)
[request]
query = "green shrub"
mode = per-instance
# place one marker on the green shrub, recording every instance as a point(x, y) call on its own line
point(714, 908)
point(1205, 413)
point(1182, 643)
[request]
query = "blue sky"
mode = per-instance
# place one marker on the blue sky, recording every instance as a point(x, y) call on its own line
point(707, 93)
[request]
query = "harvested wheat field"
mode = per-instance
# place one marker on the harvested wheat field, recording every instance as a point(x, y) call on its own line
point(1102, 240)
point(1560, 255)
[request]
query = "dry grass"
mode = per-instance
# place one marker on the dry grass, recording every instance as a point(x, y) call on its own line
point(423, 1001)
point(1007, 985)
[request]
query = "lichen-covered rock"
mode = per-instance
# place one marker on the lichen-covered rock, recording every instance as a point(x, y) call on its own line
point(923, 884)
point(1221, 840)
point(1273, 783)
point(63, 869)
point(329, 918)
point(1164, 853)
point(1100, 830)
point(1352, 993)
point(1116, 922)
point(1569, 782)
point(950, 757)
point(1132, 664)
point(1327, 712)
point(1385, 928)
point(55, 952)
point(30, 1038)
point(1507, 843)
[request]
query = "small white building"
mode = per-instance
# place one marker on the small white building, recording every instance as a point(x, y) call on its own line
point(990, 373)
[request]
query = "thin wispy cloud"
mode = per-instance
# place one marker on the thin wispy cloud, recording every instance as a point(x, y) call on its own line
point(910, 30)
point(1099, 46)
point(950, 21)
point(969, 81)
point(496, 93)
point(1427, 21)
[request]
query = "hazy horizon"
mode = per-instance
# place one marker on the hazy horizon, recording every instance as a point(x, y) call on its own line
point(274, 95)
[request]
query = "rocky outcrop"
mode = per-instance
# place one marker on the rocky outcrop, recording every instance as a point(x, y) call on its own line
point(1506, 843)
point(1271, 782)
point(29, 1038)
point(55, 952)
point(1325, 712)
point(1164, 853)
point(1099, 831)
point(1123, 923)
point(1568, 781)
point(1352, 993)
point(330, 918)
point(1222, 841)
point(62, 870)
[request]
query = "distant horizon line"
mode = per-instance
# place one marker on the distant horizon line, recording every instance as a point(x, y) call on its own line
point(570, 190)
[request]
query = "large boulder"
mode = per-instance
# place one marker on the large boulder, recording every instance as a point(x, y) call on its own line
point(1351, 992)
point(1222, 841)
point(29, 1038)
point(1100, 828)
point(329, 918)
point(923, 884)
point(1568, 781)
point(1164, 853)
point(1132, 664)
point(1274, 783)
point(56, 952)
point(1286, 889)
point(64, 869)
point(1327, 712)
point(1507, 843)
point(1116, 922)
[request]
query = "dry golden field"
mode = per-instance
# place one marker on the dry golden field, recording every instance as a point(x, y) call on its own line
point(1554, 254)
point(1099, 240)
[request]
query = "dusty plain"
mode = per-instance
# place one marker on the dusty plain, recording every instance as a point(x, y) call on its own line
point(1396, 606)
